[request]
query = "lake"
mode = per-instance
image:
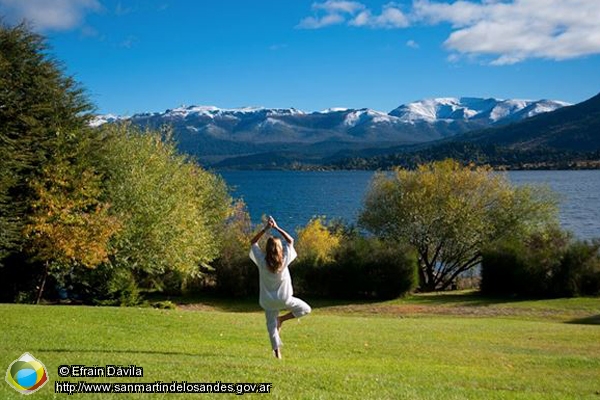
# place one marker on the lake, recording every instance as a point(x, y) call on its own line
point(294, 197)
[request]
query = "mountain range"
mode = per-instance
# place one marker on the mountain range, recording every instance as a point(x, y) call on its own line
point(263, 137)
point(566, 138)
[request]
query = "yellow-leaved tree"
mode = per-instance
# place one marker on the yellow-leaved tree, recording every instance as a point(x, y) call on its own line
point(69, 227)
point(317, 243)
point(449, 212)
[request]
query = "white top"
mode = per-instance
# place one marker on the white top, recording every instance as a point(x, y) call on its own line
point(275, 288)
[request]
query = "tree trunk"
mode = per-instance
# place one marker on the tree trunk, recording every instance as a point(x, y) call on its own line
point(422, 279)
point(43, 284)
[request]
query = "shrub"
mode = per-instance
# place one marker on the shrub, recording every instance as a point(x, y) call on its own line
point(236, 278)
point(372, 268)
point(164, 305)
point(106, 286)
point(547, 264)
point(579, 272)
point(361, 268)
point(333, 262)
point(235, 275)
point(500, 268)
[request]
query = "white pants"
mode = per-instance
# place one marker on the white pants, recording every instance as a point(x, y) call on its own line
point(296, 306)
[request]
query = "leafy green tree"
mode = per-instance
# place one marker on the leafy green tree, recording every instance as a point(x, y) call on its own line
point(172, 211)
point(119, 202)
point(38, 106)
point(449, 213)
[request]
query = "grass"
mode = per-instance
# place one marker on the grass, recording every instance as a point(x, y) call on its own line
point(458, 346)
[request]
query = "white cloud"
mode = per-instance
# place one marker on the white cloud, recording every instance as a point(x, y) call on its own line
point(501, 31)
point(390, 17)
point(321, 22)
point(49, 14)
point(336, 12)
point(339, 6)
point(412, 44)
point(333, 12)
point(511, 32)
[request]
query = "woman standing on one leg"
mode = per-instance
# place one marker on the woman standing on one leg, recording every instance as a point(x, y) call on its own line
point(276, 292)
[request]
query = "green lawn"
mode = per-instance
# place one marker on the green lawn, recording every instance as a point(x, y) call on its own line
point(424, 347)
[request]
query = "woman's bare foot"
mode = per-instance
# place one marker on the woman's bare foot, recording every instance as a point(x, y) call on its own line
point(282, 318)
point(277, 354)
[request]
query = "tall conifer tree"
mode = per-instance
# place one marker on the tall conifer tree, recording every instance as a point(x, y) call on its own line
point(40, 107)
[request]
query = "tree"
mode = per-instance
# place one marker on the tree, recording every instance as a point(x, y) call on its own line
point(171, 210)
point(69, 225)
point(38, 106)
point(317, 243)
point(449, 213)
point(121, 203)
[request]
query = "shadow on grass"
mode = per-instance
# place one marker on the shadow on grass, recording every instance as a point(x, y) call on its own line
point(113, 351)
point(250, 304)
point(591, 320)
point(238, 305)
point(463, 298)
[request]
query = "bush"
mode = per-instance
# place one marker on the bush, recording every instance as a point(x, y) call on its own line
point(333, 262)
point(236, 278)
point(103, 285)
point(361, 268)
point(547, 264)
point(579, 272)
point(234, 274)
point(164, 305)
point(500, 268)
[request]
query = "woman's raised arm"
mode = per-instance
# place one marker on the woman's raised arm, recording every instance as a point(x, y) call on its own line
point(257, 237)
point(283, 233)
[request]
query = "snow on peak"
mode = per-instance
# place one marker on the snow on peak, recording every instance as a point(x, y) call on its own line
point(429, 110)
point(468, 108)
point(99, 120)
point(487, 111)
point(216, 112)
point(505, 108)
point(356, 117)
point(284, 111)
point(184, 111)
point(334, 110)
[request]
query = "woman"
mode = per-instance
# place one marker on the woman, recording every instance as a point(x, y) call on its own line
point(276, 292)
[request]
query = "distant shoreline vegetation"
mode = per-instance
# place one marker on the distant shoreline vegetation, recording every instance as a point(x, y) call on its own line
point(496, 156)
point(558, 163)
point(499, 158)
point(573, 166)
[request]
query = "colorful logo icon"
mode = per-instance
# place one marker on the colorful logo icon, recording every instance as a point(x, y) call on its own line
point(27, 374)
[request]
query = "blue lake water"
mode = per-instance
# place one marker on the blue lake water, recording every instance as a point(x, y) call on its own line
point(294, 197)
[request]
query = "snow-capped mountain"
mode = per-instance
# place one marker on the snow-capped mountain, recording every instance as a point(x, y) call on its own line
point(489, 111)
point(213, 133)
point(105, 119)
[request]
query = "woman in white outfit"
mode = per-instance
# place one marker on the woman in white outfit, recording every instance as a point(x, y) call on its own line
point(276, 292)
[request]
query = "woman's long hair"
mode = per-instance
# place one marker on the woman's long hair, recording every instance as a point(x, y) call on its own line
point(274, 255)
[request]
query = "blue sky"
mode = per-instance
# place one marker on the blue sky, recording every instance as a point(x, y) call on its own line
point(149, 55)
